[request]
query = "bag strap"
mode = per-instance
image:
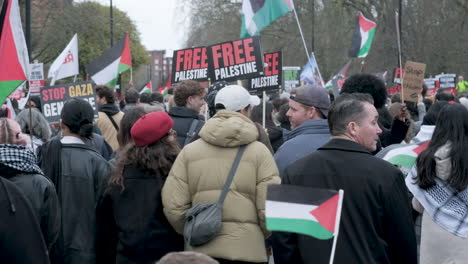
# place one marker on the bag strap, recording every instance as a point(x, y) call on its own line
point(227, 184)
point(191, 131)
point(112, 120)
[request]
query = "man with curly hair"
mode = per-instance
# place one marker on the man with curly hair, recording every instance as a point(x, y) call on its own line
point(189, 98)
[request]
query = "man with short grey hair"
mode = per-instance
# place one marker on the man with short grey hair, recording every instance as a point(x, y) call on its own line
point(376, 223)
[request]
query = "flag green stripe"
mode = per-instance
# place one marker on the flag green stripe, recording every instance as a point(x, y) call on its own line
point(270, 11)
point(112, 83)
point(123, 67)
point(403, 160)
point(7, 87)
point(366, 48)
point(300, 226)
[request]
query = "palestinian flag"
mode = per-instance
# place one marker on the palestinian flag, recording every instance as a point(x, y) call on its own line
point(105, 69)
point(257, 14)
point(337, 81)
point(302, 210)
point(147, 89)
point(14, 58)
point(362, 37)
point(402, 155)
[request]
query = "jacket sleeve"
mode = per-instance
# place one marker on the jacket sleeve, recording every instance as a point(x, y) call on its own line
point(284, 244)
point(398, 224)
point(267, 173)
point(396, 134)
point(101, 177)
point(50, 216)
point(176, 195)
point(106, 235)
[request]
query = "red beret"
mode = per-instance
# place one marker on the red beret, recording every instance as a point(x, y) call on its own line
point(150, 128)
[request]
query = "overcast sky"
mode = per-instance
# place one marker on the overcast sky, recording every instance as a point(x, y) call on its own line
point(154, 20)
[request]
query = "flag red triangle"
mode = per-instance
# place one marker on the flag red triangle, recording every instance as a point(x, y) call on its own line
point(10, 68)
point(326, 213)
point(126, 55)
point(365, 23)
point(421, 147)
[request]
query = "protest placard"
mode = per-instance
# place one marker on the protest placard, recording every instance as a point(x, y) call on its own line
point(235, 60)
point(36, 77)
point(190, 64)
point(272, 77)
point(54, 97)
point(291, 77)
point(413, 80)
point(397, 75)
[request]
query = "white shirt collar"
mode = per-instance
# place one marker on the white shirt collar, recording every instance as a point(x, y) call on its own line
point(71, 140)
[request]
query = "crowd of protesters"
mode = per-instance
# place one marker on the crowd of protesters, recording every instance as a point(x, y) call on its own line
point(120, 188)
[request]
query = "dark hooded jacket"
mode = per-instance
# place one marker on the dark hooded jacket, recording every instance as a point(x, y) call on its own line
point(183, 118)
point(21, 240)
point(18, 164)
point(43, 198)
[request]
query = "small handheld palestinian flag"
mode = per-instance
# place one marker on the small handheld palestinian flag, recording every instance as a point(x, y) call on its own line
point(362, 37)
point(303, 210)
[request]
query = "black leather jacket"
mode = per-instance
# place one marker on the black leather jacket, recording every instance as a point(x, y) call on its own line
point(84, 173)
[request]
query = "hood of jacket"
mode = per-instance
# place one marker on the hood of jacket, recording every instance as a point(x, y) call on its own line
point(181, 111)
point(229, 129)
point(309, 127)
point(110, 109)
point(443, 161)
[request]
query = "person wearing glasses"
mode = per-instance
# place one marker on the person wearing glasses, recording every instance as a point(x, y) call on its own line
point(132, 227)
point(308, 110)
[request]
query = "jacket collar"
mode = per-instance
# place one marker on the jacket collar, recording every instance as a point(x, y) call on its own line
point(308, 127)
point(345, 145)
point(182, 111)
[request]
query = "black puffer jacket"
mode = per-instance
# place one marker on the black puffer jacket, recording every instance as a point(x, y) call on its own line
point(83, 174)
point(132, 227)
point(43, 198)
point(183, 118)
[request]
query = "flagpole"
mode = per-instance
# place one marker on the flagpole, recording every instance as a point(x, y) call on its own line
point(302, 35)
point(264, 110)
point(74, 78)
point(399, 55)
point(337, 225)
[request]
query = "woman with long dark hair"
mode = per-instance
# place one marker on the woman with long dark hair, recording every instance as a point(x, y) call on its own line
point(132, 227)
point(439, 183)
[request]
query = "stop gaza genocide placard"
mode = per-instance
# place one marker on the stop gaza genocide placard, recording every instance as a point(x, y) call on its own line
point(190, 64)
point(235, 60)
point(271, 79)
point(54, 97)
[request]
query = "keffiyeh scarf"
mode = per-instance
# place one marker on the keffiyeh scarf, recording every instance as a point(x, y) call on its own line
point(447, 207)
point(19, 158)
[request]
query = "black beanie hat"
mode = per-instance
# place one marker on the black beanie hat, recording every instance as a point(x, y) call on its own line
point(77, 112)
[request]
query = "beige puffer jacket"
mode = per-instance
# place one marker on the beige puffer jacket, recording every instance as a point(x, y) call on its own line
point(198, 176)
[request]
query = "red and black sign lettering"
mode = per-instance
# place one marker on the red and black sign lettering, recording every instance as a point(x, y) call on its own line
point(235, 60)
point(272, 78)
point(190, 64)
point(54, 97)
